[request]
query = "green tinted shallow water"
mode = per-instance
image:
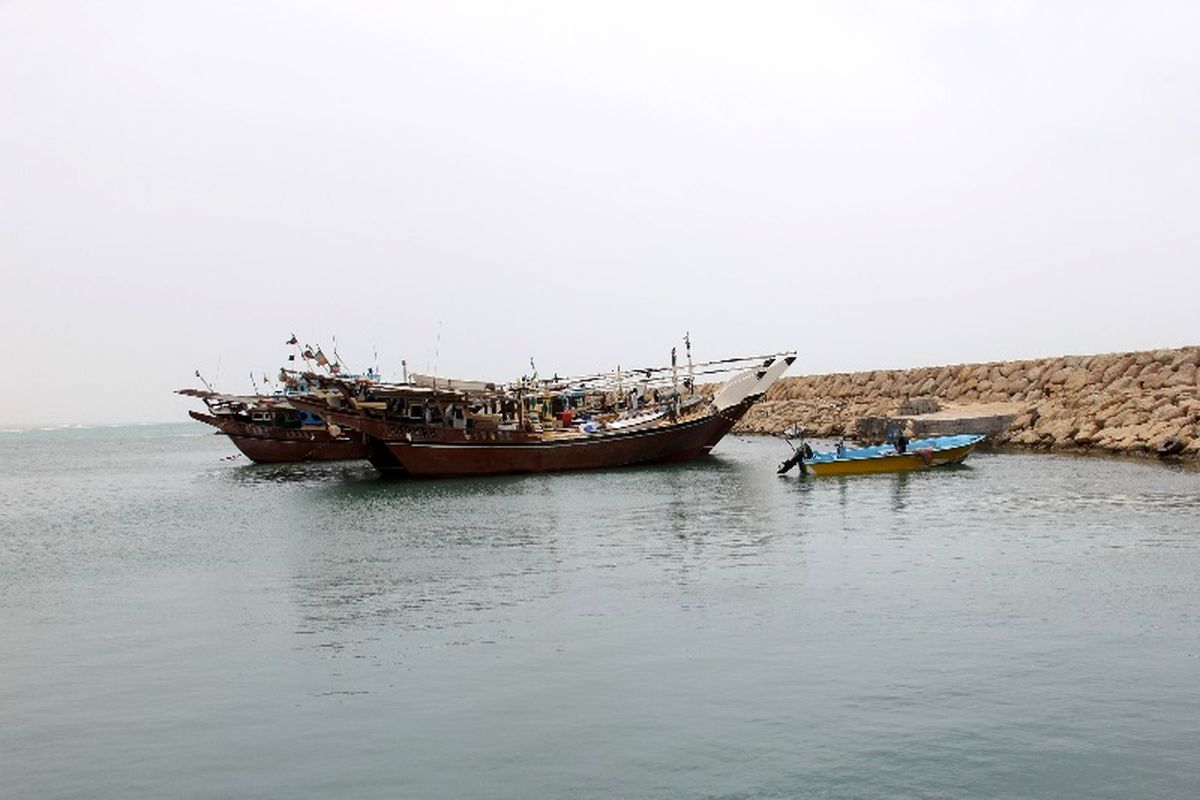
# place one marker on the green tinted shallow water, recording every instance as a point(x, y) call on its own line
point(179, 625)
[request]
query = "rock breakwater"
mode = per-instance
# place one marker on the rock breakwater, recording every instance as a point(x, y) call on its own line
point(1130, 403)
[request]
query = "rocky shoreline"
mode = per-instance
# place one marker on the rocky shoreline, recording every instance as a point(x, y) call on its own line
point(1128, 403)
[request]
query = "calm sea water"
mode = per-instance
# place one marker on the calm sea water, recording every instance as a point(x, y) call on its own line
point(176, 624)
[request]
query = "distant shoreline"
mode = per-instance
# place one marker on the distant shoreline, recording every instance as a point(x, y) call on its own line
point(73, 426)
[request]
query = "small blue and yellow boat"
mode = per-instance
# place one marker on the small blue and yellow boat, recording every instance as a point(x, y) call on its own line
point(936, 451)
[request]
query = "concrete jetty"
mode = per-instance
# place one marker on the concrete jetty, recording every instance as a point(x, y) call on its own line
point(1129, 403)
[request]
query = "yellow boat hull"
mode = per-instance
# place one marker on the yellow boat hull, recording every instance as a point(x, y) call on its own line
point(891, 462)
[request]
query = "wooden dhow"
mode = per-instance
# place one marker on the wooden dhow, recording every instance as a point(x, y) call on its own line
point(606, 420)
point(269, 429)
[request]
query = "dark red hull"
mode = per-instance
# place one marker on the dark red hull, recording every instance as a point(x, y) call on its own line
point(264, 444)
point(440, 453)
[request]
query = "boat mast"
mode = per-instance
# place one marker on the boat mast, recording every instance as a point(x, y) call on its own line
point(687, 341)
point(674, 374)
point(521, 406)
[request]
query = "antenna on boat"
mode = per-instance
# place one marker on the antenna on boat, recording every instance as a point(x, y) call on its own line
point(206, 383)
point(437, 352)
point(253, 382)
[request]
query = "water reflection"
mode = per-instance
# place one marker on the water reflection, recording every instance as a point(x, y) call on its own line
point(678, 516)
point(318, 472)
point(436, 489)
point(426, 556)
point(900, 492)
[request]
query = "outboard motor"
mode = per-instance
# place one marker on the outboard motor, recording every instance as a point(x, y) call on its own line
point(798, 455)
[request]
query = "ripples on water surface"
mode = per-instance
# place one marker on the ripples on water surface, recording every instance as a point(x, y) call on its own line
point(178, 624)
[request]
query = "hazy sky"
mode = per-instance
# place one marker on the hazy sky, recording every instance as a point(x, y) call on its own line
point(876, 185)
